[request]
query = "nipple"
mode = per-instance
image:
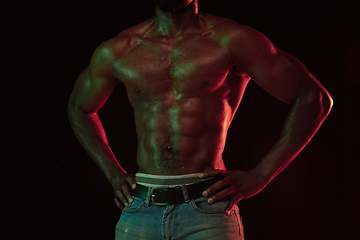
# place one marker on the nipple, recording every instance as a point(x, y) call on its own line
point(204, 85)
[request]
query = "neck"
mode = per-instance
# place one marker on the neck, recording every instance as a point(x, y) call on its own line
point(177, 22)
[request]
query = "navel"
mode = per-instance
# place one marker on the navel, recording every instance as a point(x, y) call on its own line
point(137, 90)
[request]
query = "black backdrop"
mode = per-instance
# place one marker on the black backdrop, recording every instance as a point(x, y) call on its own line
point(52, 190)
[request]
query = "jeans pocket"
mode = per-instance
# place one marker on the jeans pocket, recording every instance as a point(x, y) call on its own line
point(137, 204)
point(201, 205)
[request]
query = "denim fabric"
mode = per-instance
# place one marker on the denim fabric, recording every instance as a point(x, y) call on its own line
point(193, 220)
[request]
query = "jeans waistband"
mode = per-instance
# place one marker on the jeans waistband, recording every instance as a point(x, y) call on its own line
point(150, 180)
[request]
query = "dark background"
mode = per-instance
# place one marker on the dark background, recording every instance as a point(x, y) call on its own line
point(52, 190)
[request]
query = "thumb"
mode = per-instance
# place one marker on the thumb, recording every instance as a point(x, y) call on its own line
point(231, 207)
point(229, 210)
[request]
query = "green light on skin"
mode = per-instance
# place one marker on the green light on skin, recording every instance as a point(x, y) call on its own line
point(131, 73)
point(125, 72)
point(174, 126)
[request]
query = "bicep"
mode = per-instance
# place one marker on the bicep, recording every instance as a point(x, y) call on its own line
point(277, 72)
point(95, 84)
point(91, 91)
point(283, 76)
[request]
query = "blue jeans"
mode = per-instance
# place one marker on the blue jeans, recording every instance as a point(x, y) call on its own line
point(193, 220)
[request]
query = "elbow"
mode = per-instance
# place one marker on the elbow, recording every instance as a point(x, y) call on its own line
point(318, 96)
point(317, 102)
point(74, 111)
point(322, 104)
point(71, 108)
point(326, 102)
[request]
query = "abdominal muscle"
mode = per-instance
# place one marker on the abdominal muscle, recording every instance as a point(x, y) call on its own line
point(181, 136)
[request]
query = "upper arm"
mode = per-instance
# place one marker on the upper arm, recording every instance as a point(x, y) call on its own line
point(95, 84)
point(276, 71)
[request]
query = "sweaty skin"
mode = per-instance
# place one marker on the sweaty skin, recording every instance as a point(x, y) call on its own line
point(185, 73)
point(182, 97)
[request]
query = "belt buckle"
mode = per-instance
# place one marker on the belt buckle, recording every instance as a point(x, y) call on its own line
point(153, 198)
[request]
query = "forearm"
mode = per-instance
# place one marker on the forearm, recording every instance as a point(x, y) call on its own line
point(90, 133)
point(304, 119)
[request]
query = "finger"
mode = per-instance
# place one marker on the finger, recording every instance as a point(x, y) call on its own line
point(127, 194)
point(230, 208)
point(219, 196)
point(212, 173)
point(132, 182)
point(119, 194)
point(118, 203)
point(216, 186)
point(232, 204)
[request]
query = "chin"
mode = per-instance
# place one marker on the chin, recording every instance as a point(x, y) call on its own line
point(171, 5)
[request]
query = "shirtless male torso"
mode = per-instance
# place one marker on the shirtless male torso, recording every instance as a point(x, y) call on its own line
point(185, 73)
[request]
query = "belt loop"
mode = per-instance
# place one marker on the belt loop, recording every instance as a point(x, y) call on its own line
point(185, 193)
point(148, 197)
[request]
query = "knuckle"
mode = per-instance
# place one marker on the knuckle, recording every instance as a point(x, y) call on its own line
point(117, 194)
point(228, 181)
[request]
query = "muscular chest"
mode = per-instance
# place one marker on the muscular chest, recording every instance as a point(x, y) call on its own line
point(152, 69)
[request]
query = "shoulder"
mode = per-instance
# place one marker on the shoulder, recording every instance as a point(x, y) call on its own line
point(244, 43)
point(116, 47)
point(233, 34)
point(109, 51)
point(226, 27)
